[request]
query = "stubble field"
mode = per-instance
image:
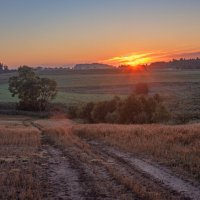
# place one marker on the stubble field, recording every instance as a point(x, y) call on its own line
point(59, 159)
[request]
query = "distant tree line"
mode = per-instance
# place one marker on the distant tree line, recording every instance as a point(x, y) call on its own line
point(4, 69)
point(182, 63)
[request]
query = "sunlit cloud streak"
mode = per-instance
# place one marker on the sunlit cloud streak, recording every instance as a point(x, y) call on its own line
point(139, 58)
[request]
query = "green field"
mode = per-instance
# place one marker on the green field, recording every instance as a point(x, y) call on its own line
point(75, 88)
point(87, 80)
point(62, 97)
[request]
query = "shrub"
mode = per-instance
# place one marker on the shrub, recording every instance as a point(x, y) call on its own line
point(161, 114)
point(182, 117)
point(100, 111)
point(112, 118)
point(86, 111)
point(129, 110)
point(134, 109)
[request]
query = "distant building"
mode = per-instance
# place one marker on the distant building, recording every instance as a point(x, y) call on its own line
point(92, 66)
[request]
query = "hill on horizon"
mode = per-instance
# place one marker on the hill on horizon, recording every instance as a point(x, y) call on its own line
point(92, 66)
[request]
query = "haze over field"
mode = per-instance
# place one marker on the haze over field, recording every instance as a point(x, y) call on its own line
point(115, 32)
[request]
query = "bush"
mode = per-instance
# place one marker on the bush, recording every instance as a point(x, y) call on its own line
point(101, 109)
point(112, 118)
point(129, 110)
point(134, 109)
point(86, 111)
point(161, 114)
point(181, 117)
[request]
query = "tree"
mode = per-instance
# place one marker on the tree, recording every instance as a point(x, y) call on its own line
point(34, 93)
point(3, 68)
point(47, 91)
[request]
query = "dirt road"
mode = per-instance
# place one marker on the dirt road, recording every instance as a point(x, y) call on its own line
point(81, 169)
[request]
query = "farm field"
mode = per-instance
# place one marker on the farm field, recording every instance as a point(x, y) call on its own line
point(49, 159)
point(99, 100)
point(180, 89)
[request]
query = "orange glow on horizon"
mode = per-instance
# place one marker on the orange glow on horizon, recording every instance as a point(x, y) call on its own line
point(141, 58)
point(134, 59)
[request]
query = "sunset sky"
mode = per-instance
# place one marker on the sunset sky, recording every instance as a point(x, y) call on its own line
point(62, 32)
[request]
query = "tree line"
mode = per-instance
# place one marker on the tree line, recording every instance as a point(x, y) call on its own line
point(181, 63)
point(4, 68)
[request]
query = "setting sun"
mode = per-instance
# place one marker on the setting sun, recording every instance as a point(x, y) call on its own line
point(133, 59)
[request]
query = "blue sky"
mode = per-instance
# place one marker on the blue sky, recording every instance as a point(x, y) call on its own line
point(70, 31)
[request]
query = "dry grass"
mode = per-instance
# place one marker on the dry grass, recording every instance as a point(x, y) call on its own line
point(64, 134)
point(22, 137)
point(19, 152)
point(176, 146)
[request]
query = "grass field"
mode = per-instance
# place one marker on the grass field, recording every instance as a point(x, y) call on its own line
point(60, 159)
point(62, 97)
point(175, 146)
point(113, 148)
point(19, 144)
point(87, 80)
point(180, 89)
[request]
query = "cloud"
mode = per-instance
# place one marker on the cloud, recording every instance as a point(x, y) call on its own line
point(137, 58)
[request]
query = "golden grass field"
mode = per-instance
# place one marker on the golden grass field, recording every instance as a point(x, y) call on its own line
point(60, 159)
point(19, 150)
point(177, 146)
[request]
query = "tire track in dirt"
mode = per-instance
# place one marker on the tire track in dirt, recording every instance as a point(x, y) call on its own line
point(62, 177)
point(95, 179)
point(74, 174)
point(81, 169)
point(163, 175)
point(158, 174)
point(134, 186)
